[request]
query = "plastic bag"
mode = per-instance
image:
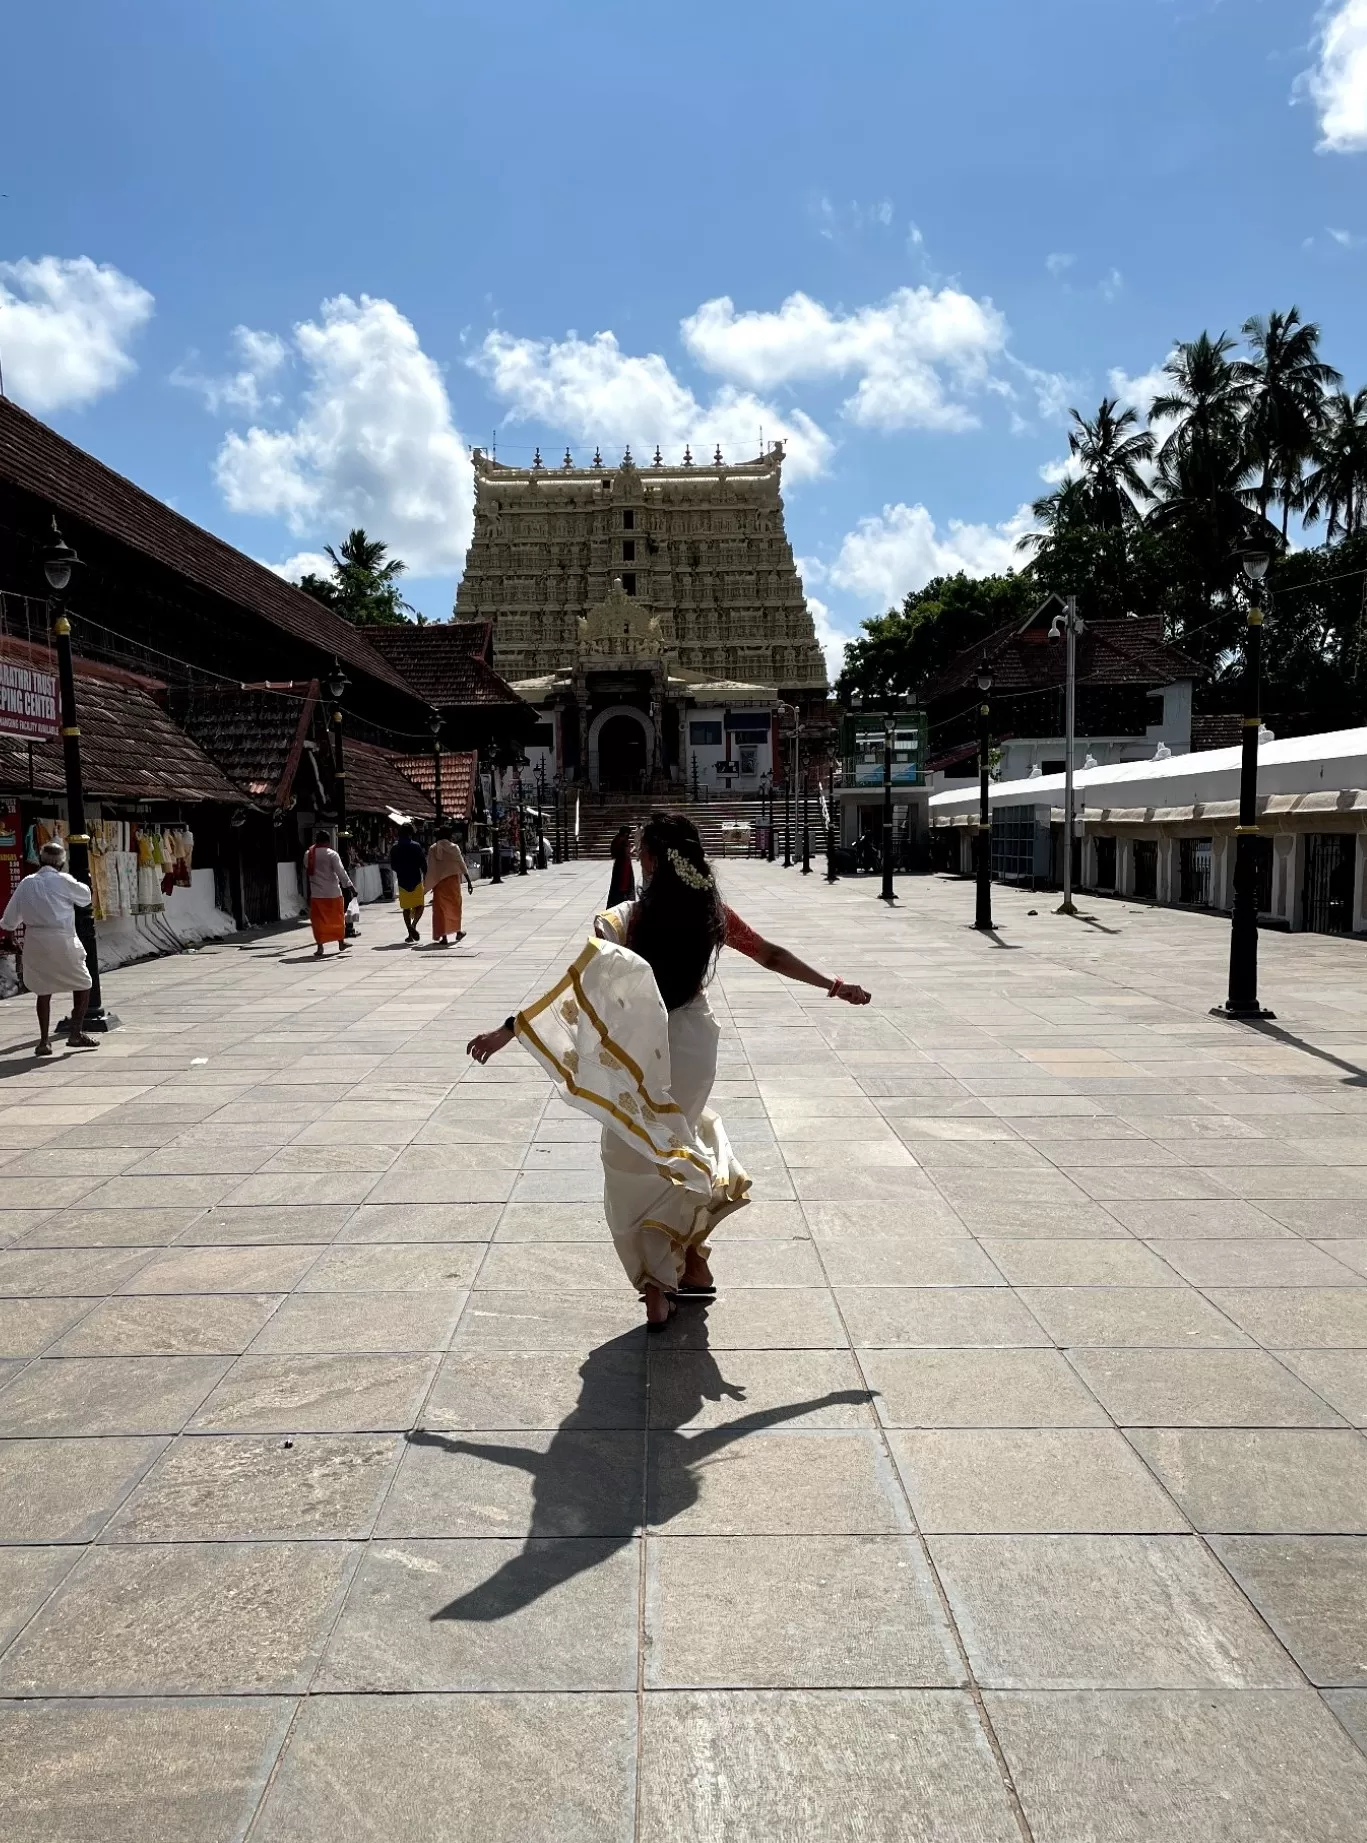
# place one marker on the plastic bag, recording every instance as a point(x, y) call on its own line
point(353, 917)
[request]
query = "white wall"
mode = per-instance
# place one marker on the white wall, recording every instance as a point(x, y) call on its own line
point(190, 916)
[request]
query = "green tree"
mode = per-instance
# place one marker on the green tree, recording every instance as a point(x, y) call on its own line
point(1110, 465)
point(1286, 381)
point(1338, 486)
point(909, 646)
point(364, 585)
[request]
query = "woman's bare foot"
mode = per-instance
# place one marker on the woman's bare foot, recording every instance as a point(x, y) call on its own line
point(696, 1272)
point(658, 1305)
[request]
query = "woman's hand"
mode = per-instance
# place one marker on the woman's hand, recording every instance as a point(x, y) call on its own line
point(482, 1048)
point(852, 994)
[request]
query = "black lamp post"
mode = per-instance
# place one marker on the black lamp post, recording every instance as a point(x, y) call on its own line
point(337, 684)
point(832, 873)
point(434, 724)
point(807, 824)
point(540, 810)
point(888, 893)
point(496, 876)
point(983, 916)
point(521, 827)
point(791, 769)
point(58, 561)
point(1243, 937)
point(769, 851)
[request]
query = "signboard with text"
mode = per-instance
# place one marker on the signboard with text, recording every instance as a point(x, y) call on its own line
point(864, 744)
point(28, 701)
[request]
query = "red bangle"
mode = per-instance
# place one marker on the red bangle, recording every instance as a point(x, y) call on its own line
point(835, 988)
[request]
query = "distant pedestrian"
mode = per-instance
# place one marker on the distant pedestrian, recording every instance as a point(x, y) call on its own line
point(623, 885)
point(446, 869)
point(329, 888)
point(408, 861)
point(44, 906)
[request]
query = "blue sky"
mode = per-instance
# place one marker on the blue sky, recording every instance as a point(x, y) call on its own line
point(282, 264)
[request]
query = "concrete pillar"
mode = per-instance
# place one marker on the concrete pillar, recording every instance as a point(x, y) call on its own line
point(1169, 879)
point(1124, 867)
point(1292, 866)
point(1360, 886)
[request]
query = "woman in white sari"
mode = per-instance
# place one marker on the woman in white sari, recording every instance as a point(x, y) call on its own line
point(630, 1038)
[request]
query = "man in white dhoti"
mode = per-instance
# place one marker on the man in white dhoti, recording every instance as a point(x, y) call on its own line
point(628, 1035)
point(44, 906)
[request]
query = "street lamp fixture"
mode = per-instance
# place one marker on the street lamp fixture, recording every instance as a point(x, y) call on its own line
point(1068, 625)
point(59, 559)
point(983, 911)
point(1242, 1000)
point(888, 894)
point(434, 725)
point(337, 684)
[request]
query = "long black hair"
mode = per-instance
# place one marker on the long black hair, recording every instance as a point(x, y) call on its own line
point(680, 924)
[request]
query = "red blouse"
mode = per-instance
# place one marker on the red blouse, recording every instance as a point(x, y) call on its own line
point(742, 936)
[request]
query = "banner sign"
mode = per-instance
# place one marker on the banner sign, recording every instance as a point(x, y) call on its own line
point(28, 701)
point(864, 750)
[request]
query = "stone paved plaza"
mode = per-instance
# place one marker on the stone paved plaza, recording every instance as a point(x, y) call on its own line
point(1012, 1488)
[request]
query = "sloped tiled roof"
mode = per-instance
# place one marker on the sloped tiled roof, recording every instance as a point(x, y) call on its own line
point(376, 783)
point(37, 459)
point(130, 748)
point(445, 663)
point(256, 734)
point(1023, 658)
point(457, 780)
point(1216, 732)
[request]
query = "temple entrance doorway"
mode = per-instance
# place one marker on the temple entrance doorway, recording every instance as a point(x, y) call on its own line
point(622, 761)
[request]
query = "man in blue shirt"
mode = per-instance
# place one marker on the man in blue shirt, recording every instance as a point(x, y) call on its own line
point(408, 861)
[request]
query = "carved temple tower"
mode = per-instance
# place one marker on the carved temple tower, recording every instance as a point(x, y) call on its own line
point(697, 560)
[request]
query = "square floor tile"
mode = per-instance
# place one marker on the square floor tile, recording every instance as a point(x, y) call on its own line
point(1226, 1766)
point(505, 1389)
point(1079, 1261)
point(947, 1317)
point(1338, 1376)
point(1255, 1263)
point(1200, 1388)
point(854, 1766)
point(65, 1490)
point(27, 1577)
point(416, 1267)
point(512, 1319)
point(1299, 1317)
point(382, 1222)
point(124, 1772)
point(571, 1483)
point(334, 1323)
point(1031, 1480)
point(186, 1619)
point(948, 1260)
point(223, 1270)
point(1104, 1612)
point(30, 1326)
point(756, 1318)
point(978, 1388)
point(37, 1272)
point(170, 1325)
point(440, 1769)
point(1264, 1481)
point(1121, 1317)
point(727, 1481)
point(540, 1615)
point(317, 1394)
point(250, 1487)
point(103, 1395)
point(720, 1613)
point(808, 1388)
point(1310, 1591)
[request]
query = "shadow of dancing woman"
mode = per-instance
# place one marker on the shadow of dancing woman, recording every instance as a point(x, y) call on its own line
point(585, 1486)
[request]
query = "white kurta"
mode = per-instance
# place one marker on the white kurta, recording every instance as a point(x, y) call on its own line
point(645, 1074)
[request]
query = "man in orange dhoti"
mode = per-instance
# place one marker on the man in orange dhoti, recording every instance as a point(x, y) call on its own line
point(446, 869)
point(329, 886)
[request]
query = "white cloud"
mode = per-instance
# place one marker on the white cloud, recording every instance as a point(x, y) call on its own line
point(372, 442)
point(1054, 473)
point(1338, 83)
point(262, 355)
point(1137, 393)
point(1058, 262)
point(831, 636)
point(916, 354)
point(1111, 285)
point(303, 563)
point(65, 327)
point(599, 393)
point(900, 549)
point(1346, 238)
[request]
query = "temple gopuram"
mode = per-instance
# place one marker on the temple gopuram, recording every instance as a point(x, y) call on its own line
point(653, 615)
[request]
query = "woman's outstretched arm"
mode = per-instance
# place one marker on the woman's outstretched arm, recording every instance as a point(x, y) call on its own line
point(778, 960)
point(492, 1041)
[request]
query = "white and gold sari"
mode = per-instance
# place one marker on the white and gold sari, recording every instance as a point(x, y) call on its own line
point(645, 1074)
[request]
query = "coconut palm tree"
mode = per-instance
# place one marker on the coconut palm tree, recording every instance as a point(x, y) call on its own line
point(1338, 485)
point(1205, 402)
point(1287, 381)
point(364, 585)
point(1111, 463)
